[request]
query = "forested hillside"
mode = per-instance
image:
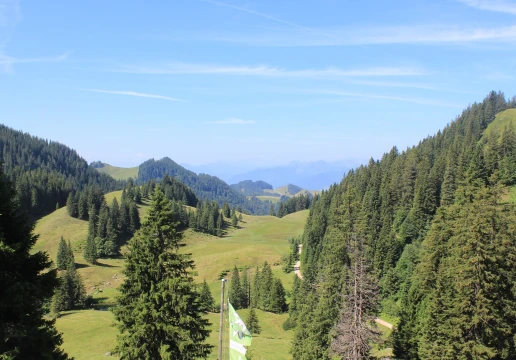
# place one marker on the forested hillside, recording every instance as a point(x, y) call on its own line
point(45, 172)
point(251, 188)
point(421, 235)
point(204, 186)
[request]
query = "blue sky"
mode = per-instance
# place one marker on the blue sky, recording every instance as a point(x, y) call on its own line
point(254, 82)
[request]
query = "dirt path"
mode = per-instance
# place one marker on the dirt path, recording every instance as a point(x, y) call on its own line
point(384, 323)
point(297, 271)
point(297, 266)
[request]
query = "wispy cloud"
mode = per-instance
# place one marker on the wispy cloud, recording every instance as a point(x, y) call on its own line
point(267, 71)
point(345, 36)
point(133, 93)
point(7, 62)
point(274, 18)
point(385, 97)
point(232, 121)
point(504, 6)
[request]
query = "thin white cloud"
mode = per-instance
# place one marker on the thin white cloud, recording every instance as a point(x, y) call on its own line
point(267, 71)
point(385, 97)
point(133, 93)
point(4, 59)
point(7, 62)
point(408, 34)
point(503, 6)
point(273, 18)
point(232, 121)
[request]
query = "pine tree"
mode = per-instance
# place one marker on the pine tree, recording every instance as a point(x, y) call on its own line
point(471, 309)
point(82, 206)
point(246, 290)
point(252, 322)
point(206, 299)
point(265, 288)
point(62, 255)
point(271, 211)
point(255, 291)
point(71, 205)
point(226, 210)
point(159, 284)
point(70, 257)
point(90, 250)
point(71, 293)
point(219, 225)
point(234, 220)
point(27, 283)
point(235, 290)
point(278, 303)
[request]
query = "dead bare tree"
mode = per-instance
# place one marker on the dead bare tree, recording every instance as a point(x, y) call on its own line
point(356, 329)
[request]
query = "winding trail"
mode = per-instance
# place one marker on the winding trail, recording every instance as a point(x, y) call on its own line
point(297, 271)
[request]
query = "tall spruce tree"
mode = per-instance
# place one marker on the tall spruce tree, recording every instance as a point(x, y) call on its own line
point(26, 284)
point(235, 290)
point(206, 299)
point(246, 289)
point(62, 255)
point(159, 312)
point(278, 301)
point(252, 322)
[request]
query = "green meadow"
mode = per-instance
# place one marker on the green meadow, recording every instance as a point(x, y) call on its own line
point(90, 334)
point(119, 173)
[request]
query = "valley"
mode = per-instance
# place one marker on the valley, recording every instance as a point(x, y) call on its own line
point(89, 334)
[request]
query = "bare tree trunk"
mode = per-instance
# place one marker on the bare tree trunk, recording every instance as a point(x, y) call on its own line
point(356, 329)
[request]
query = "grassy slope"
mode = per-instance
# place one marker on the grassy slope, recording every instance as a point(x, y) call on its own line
point(503, 119)
point(273, 199)
point(119, 173)
point(89, 334)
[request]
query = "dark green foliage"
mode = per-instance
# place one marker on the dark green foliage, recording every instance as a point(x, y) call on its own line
point(236, 295)
point(27, 283)
point(278, 302)
point(70, 293)
point(204, 186)
point(252, 322)
point(234, 219)
point(267, 292)
point(45, 172)
point(207, 218)
point(226, 210)
point(294, 204)
point(109, 228)
point(463, 287)
point(62, 255)
point(246, 289)
point(392, 203)
point(290, 259)
point(252, 188)
point(206, 299)
point(71, 205)
point(159, 312)
point(90, 250)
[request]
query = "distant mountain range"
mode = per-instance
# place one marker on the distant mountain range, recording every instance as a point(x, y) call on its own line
point(316, 175)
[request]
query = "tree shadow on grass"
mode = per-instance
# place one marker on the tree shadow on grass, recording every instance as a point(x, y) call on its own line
point(98, 263)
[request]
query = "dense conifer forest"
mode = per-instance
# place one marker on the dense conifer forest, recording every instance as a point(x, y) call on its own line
point(425, 235)
point(46, 172)
point(205, 186)
point(251, 188)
